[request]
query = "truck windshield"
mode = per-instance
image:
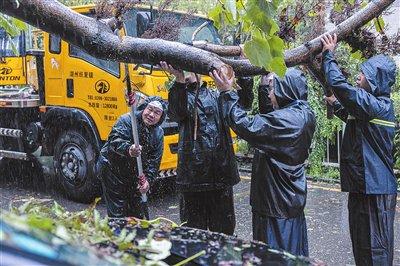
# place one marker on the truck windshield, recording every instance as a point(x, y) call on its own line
point(8, 45)
point(137, 21)
point(208, 33)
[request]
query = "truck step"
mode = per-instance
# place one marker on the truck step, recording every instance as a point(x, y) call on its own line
point(9, 132)
point(14, 155)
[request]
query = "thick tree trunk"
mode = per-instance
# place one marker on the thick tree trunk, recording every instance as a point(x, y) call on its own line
point(97, 38)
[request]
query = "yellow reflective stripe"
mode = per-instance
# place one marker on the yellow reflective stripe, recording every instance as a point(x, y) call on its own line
point(383, 122)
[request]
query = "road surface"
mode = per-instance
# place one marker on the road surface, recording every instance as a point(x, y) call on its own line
point(326, 214)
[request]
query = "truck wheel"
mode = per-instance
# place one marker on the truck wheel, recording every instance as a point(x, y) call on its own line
point(74, 164)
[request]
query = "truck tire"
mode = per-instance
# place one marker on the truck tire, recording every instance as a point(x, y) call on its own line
point(75, 166)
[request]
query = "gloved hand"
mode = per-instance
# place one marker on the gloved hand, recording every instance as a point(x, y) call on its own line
point(330, 99)
point(144, 185)
point(130, 98)
point(135, 150)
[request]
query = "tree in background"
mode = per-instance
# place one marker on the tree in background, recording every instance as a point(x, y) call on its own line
point(300, 22)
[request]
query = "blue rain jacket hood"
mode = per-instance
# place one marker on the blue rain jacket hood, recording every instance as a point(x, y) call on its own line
point(380, 72)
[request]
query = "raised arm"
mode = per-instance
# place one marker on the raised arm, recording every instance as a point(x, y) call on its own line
point(357, 102)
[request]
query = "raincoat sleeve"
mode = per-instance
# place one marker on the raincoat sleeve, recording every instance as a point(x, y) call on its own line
point(340, 111)
point(264, 102)
point(120, 138)
point(358, 102)
point(265, 131)
point(246, 94)
point(178, 102)
point(153, 162)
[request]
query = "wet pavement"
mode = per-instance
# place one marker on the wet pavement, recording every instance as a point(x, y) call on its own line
point(326, 213)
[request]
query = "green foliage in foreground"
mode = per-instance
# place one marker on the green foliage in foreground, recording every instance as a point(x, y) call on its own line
point(88, 230)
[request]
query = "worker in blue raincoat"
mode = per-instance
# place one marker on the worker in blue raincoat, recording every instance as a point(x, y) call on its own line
point(282, 138)
point(366, 163)
point(207, 168)
point(122, 187)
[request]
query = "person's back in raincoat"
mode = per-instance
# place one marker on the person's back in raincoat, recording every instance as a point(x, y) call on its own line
point(207, 168)
point(282, 138)
point(119, 174)
point(366, 162)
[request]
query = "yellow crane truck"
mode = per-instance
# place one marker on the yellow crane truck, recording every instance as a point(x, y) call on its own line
point(62, 102)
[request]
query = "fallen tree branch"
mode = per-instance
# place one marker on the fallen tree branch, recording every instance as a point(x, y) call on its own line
point(303, 53)
point(98, 39)
point(222, 50)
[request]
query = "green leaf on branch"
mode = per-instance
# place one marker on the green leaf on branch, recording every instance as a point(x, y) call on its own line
point(261, 14)
point(278, 66)
point(231, 7)
point(266, 52)
point(41, 222)
point(356, 55)
point(19, 24)
point(258, 51)
point(379, 24)
point(277, 46)
point(338, 7)
point(215, 15)
point(9, 26)
point(255, 18)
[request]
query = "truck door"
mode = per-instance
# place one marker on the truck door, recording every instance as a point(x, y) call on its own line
point(96, 86)
point(53, 63)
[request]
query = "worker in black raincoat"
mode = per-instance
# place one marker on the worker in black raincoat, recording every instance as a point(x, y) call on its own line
point(207, 168)
point(282, 138)
point(366, 163)
point(121, 185)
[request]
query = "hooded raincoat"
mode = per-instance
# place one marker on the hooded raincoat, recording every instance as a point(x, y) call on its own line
point(207, 167)
point(282, 139)
point(366, 163)
point(118, 169)
point(207, 163)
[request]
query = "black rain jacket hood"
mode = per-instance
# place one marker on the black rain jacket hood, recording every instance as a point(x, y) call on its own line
point(282, 139)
